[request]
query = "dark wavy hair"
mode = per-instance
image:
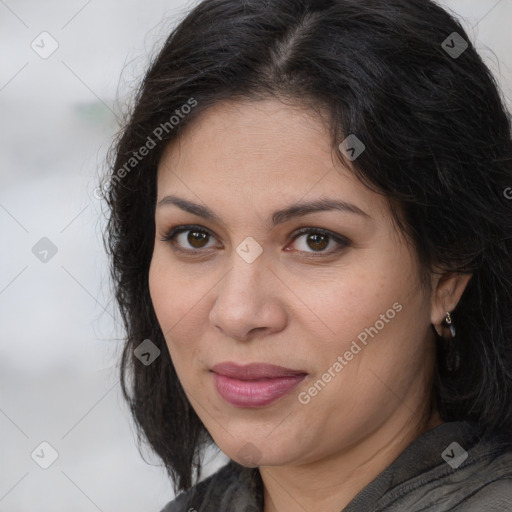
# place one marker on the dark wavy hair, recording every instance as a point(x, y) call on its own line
point(438, 147)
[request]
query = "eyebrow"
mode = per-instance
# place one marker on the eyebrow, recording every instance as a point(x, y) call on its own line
point(278, 217)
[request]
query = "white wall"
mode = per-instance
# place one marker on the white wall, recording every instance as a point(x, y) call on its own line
point(58, 358)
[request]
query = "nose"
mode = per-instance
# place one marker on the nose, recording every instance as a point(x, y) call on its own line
point(250, 301)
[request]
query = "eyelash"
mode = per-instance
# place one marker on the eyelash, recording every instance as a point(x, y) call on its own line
point(342, 241)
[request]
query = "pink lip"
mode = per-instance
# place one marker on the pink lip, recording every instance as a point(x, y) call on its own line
point(256, 384)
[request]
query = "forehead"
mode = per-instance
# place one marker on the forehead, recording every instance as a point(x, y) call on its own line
point(260, 152)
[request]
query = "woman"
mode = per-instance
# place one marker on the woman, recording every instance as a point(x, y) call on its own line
point(311, 247)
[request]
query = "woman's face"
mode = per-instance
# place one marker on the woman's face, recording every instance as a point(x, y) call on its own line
point(340, 306)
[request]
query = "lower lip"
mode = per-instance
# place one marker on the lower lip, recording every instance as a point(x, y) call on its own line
point(254, 393)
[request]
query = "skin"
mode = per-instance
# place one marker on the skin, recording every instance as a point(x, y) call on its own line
point(296, 305)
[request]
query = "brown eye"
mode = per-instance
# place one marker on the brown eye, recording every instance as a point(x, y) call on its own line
point(315, 240)
point(188, 238)
point(192, 239)
point(197, 238)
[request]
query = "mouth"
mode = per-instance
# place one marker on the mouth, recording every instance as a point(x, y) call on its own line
point(256, 384)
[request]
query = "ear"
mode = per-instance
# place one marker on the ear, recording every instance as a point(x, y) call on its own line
point(447, 289)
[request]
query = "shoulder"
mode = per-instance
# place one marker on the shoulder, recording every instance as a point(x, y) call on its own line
point(482, 482)
point(453, 468)
point(231, 488)
point(493, 497)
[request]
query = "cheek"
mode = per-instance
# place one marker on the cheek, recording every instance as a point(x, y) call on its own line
point(162, 291)
point(373, 310)
point(173, 293)
point(343, 301)
point(168, 298)
point(179, 309)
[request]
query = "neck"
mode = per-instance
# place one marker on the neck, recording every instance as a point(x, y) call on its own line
point(328, 485)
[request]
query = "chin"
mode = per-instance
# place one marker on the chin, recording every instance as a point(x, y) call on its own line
point(253, 453)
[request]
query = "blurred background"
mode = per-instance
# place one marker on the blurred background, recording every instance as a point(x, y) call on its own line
point(67, 441)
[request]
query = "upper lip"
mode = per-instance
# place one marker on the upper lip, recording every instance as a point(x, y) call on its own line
point(254, 371)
